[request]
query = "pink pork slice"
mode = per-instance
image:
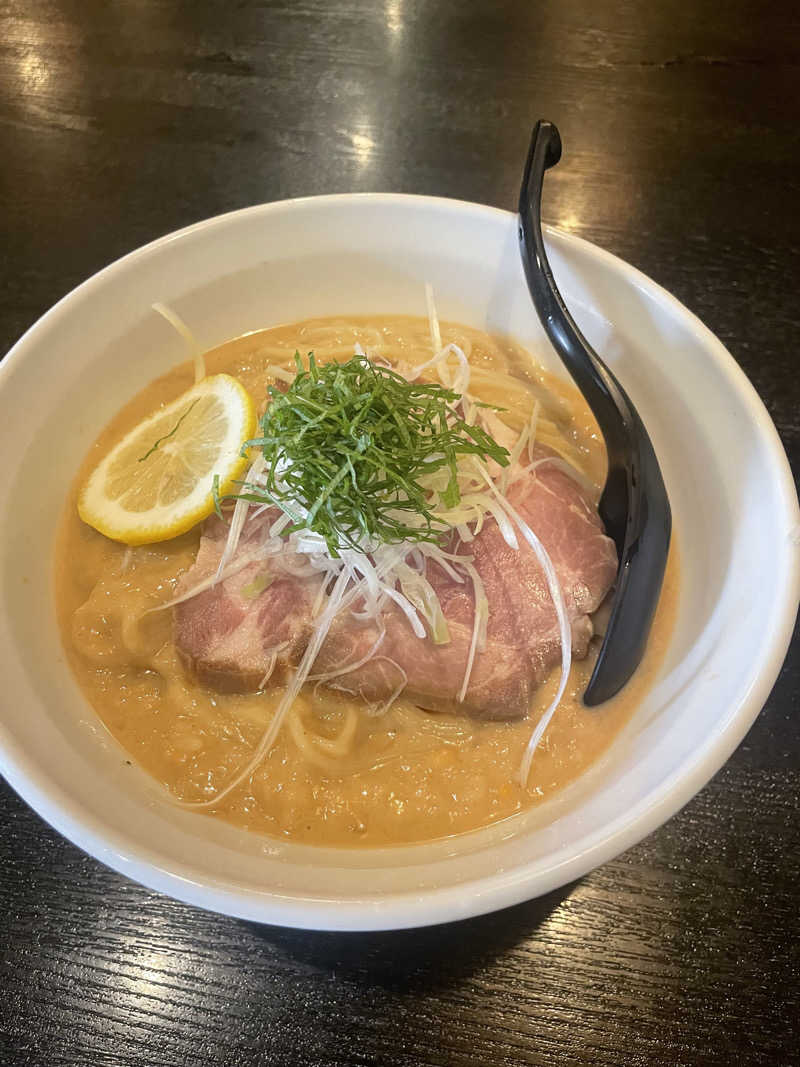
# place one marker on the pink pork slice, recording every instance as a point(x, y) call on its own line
point(227, 637)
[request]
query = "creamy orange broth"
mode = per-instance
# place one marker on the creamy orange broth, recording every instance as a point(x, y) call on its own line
point(405, 776)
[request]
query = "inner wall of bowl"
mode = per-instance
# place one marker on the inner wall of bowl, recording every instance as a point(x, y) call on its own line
point(290, 261)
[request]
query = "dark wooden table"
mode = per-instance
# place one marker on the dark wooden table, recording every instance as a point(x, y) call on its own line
point(123, 119)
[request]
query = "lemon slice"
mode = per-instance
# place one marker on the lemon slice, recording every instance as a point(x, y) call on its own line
point(157, 482)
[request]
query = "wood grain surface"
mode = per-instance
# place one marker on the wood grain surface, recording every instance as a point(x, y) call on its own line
point(121, 120)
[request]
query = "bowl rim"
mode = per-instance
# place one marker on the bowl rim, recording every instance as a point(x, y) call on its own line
point(504, 888)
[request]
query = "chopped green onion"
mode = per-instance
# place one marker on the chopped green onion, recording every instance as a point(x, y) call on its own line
point(257, 586)
point(215, 495)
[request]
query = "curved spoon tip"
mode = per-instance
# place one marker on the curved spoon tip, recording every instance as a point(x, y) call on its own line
point(553, 154)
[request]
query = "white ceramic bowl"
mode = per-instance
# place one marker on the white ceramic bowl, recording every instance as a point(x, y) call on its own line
point(735, 515)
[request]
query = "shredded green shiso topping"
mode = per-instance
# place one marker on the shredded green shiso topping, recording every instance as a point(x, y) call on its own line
point(171, 433)
point(348, 448)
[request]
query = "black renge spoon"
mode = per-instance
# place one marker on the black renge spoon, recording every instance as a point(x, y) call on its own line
point(634, 504)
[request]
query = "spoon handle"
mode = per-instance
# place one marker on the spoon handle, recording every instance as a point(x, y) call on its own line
point(605, 396)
